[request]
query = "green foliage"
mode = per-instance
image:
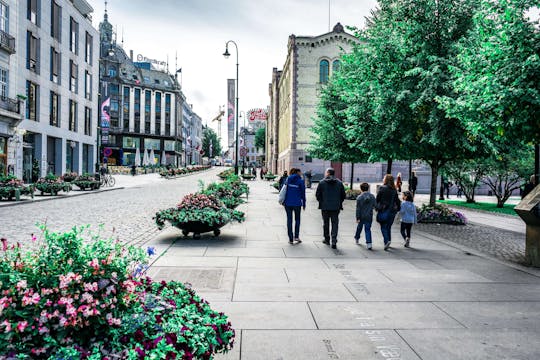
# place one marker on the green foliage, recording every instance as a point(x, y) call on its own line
point(483, 206)
point(210, 137)
point(466, 174)
point(260, 139)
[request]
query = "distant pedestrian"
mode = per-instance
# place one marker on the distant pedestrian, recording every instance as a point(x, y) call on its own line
point(295, 199)
point(447, 185)
point(254, 173)
point(399, 182)
point(133, 170)
point(387, 206)
point(413, 183)
point(408, 217)
point(459, 189)
point(330, 194)
point(262, 172)
point(365, 203)
point(308, 176)
point(282, 179)
point(529, 186)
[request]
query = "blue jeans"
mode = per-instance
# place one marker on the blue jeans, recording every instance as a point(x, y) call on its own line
point(289, 210)
point(386, 229)
point(367, 225)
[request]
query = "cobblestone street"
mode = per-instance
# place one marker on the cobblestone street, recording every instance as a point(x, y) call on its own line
point(127, 211)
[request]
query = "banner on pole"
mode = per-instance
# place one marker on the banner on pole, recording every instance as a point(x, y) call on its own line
point(230, 111)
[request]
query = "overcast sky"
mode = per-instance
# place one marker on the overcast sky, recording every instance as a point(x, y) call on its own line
point(198, 30)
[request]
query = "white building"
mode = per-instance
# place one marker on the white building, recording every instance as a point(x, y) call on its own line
point(57, 72)
point(192, 135)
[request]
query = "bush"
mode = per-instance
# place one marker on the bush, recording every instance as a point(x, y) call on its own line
point(440, 214)
point(78, 298)
point(52, 184)
point(69, 177)
point(225, 192)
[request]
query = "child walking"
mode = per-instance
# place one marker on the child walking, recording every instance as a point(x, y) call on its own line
point(408, 216)
point(365, 202)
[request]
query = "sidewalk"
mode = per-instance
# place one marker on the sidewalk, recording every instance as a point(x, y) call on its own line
point(307, 301)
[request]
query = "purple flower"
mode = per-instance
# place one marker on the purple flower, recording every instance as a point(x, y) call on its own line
point(151, 251)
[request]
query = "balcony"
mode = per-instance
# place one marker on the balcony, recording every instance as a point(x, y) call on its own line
point(7, 42)
point(10, 105)
point(10, 111)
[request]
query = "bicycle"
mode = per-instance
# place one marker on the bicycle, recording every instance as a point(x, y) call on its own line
point(107, 180)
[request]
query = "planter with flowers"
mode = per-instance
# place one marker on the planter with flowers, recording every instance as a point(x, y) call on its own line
point(10, 185)
point(269, 176)
point(52, 184)
point(440, 214)
point(225, 192)
point(238, 186)
point(70, 177)
point(225, 174)
point(87, 181)
point(197, 214)
point(79, 296)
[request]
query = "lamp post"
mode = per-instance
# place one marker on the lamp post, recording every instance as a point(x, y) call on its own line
point(227, 54)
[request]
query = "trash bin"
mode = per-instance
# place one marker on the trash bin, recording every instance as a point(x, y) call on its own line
point(529, 210)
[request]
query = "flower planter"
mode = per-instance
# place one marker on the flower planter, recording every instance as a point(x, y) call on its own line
point(198, 228)
point(248, 177)
point(270, 177)
point(53, 188)
point(87, 184)
point(10, 192)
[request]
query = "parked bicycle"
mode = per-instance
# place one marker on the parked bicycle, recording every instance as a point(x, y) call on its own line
point(107, 180)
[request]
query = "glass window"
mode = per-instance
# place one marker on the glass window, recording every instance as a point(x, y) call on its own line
point(4, 82)
point(32, 13)
point(4, 17)
point(168, 145)
point(152, 144)
point(125, 107)
point(88, 121)
point(32, 93)
point(55, 66)
point(87, 85)
point(72, 116)
point(89, 48)
point(324, 68)
point(54, 110)
point(137, 110)
point(336, 65)
point(131, 142)
point(74, 38)
point(56, 21)
point(32, 43)
point(74, 77)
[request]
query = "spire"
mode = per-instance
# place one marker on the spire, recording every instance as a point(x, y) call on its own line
point(105, 28)
point(106, 16)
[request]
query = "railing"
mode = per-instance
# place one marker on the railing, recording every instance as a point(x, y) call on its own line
point(8, 104)
point(7, 42)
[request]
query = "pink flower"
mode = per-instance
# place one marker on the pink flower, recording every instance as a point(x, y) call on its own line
point(4, 244)
point(21, 325)
point(86, 297)
point(34, 238)
point(94, 264)
point(93, 287)
point(31, 300)
point(21, 285)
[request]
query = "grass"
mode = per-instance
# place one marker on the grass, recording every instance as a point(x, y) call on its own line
point(490, 207)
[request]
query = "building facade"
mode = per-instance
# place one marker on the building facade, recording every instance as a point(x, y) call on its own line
point(10, 106)
point(141, 107)
point(56, 74)
point(192, 136)
point(294, 95)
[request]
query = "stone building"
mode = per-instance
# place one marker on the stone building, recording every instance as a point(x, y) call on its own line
point(294, 94)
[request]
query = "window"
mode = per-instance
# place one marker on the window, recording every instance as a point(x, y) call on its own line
point(72, 116)
point(73, 77)
point(4, 17)
point(131, 142)
point(89, 49)
point(87, 121)
point(32, 44)
point(158, 112)
point(54, 110)
point(56, 21)
point(147, 100)
point(74, 36)
point(324, 68)
point(55, 66)
point(112, 71)
point(32, 12)
point(336, 65)
point(32, 93)
point(152, 144)
point(87, 85)
point(4, 83)
point(125, 108)
point(167, 114)
point(137, 110)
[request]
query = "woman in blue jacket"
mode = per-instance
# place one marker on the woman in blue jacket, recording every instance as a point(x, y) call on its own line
point(295, 199)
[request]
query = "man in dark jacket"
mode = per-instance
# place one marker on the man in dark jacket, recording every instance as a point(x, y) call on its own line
point(330, 195)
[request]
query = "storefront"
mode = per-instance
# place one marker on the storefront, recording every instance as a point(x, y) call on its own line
point(3, 155)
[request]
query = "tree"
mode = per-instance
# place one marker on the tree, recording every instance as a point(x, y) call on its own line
point(467, 175)
point(211, 144)
point(260, 139)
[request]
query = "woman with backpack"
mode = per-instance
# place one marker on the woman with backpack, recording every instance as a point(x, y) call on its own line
point(388, 205)
point(295, 200)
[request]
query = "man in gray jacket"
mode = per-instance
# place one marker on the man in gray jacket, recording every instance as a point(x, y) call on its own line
point(330, 194)
point(365, 203)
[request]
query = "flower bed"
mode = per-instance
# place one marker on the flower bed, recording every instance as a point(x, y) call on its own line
point(440, 214)
point(225, 174)
point(174, 172)
point(238, 186)
point(9, 185)
point(70, 177)
point(351, 194)
point(84, 298)
point(87, 181)
point(225, 192)
point(198, 213)
point(52, 185)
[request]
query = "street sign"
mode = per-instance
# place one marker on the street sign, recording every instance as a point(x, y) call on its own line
point(243, 151)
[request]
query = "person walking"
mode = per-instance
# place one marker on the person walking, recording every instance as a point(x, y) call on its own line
point(408, 217)
point(282, 179)
point(413, 183)
point(387, 206)
point(399, 182)
point(365, 203)
point(308, 176)
point(295, 200)
point(330, 194)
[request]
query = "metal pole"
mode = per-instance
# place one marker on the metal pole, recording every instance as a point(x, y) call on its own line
point(237, 154)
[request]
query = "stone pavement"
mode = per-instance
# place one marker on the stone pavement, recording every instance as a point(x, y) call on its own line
point(307, 301)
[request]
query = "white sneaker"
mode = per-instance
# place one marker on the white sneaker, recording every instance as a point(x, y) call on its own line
point(407, 240)
point(368, 245)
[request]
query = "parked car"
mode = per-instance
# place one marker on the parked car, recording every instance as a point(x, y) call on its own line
point(228, 162)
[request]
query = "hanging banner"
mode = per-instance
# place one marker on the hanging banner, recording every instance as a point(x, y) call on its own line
point(258, 114)
point(230, 111)
point(105, 117)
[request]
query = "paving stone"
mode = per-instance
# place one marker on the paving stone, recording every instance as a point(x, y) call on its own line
point(193, 261)
point(438, 276)
point(291, 292)
point(281, 263)
point(246, 252)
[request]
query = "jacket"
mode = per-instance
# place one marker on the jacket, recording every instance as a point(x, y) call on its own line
point(296, 191)
point(408, 212)
point(330, 194)
point(365, 202)
point(384, 198)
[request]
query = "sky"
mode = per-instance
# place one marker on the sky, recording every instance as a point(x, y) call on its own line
point(198, 29)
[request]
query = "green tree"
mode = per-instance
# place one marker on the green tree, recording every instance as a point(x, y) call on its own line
point(467, 175)
point(260, 139)
point(210, 138)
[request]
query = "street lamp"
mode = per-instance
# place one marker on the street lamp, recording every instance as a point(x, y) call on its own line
point(226, 54)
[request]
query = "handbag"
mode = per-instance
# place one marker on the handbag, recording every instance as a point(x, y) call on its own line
point(385, 215)
point(282, 194)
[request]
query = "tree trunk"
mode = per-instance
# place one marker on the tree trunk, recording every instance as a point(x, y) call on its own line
point(500, 202)
point(389, 166)
point(433, 187)
point(441, 189)
point(352, 175)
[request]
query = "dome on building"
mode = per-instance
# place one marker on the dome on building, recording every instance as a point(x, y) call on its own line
point(338, 28)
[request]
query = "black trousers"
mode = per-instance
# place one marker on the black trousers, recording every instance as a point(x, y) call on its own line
point(406, 230)
point(330, 216)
